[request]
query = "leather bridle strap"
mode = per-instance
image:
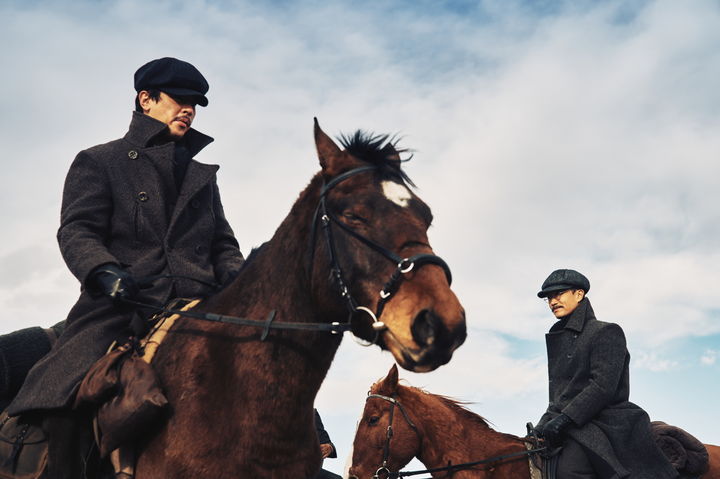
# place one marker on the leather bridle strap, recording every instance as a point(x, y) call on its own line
point(389, 432)
point(404, 265)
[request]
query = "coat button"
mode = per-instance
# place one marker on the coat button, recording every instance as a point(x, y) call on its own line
point(199, 249)
point(142, 196)
point(132, 154)
point(569, 355)
point(195, 203)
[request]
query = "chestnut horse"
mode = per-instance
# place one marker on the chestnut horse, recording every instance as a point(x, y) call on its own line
point(439, 431)
point(242, 396)
point(435, 429)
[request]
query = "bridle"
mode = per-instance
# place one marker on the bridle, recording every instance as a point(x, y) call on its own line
point(383, 469)
point(387, 474)
point(404, 265)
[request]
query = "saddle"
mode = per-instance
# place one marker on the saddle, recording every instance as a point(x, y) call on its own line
point(23, 449)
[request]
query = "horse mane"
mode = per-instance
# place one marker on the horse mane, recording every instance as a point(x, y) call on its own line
point(461, 409)
point(453, 404)
point(378, 150)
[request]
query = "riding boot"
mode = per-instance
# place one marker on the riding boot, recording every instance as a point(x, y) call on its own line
point(69, 444)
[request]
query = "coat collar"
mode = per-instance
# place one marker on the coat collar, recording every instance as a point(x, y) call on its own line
point(144, 129)
point(577, 319)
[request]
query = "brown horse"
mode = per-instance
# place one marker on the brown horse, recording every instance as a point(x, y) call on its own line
point(435, 429)
point(439, 432)
point(241, 396)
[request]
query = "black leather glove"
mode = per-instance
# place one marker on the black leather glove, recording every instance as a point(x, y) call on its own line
point(111, 280)
point(554, 429)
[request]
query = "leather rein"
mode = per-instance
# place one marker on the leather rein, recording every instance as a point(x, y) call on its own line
point(383, 472)
point(326, 218)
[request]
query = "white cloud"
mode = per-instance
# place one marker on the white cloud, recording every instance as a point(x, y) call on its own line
point(652, 362)
point(709, 357)
point(577, 135)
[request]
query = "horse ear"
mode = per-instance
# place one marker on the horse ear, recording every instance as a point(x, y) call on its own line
point(391, 152)
point(391, 380)
point(330, 156)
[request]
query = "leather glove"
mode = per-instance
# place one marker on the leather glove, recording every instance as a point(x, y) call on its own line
point(113, 281)
point(554, 429)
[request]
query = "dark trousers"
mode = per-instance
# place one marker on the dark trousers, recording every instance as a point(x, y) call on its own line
point(573, 462)
point(71, 448)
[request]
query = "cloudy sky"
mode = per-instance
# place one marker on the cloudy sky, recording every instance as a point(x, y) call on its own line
point(546, 134)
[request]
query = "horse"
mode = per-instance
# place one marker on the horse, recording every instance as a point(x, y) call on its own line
point(242, 393)
point(440, 432)
point(437, 430)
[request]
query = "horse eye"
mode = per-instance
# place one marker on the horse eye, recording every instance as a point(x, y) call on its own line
point(350, 216)
point(373, 420)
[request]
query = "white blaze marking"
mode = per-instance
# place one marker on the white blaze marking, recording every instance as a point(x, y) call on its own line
point(396, 193)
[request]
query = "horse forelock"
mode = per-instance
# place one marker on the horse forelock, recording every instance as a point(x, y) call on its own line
point(379, 150)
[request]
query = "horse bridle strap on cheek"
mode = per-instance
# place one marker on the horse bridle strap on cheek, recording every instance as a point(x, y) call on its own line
point(404, 265)
point(383, 469)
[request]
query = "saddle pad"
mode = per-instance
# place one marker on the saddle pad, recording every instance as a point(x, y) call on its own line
point(535, 471)
point(156, 336)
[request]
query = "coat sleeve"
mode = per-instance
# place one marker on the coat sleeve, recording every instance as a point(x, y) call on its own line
point(607, 363)
point(226, 256)
point(323, 436)
point(85, 217)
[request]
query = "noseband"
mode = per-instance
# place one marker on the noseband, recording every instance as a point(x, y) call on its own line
point(404, 265)
point(383, 469)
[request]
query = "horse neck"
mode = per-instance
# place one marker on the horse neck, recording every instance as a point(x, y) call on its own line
point(450, 434)
point(276, 277)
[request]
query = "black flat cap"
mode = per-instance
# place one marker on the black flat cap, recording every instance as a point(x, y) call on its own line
point(174, 77)
point(561, 279)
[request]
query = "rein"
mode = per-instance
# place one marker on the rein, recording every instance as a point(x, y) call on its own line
point(404, 265)
point(387, 474)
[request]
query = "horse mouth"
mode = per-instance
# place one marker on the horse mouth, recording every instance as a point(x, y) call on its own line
point(435, 344)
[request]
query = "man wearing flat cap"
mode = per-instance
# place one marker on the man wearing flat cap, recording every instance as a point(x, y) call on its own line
point(602, 434)
point(133, 208)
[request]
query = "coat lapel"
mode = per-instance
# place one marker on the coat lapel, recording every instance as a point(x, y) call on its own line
point(197, 176)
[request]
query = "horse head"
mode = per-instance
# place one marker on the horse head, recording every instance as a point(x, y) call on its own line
point(387, 438)
point(384, 270)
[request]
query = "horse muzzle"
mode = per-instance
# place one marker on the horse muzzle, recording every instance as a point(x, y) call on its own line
point(434, 342)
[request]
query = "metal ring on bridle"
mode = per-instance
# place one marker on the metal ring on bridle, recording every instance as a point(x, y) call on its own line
point(382, 469)
point(407, 268)
point(377, 326)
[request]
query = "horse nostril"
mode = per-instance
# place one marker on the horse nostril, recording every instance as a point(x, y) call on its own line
point(425, 327)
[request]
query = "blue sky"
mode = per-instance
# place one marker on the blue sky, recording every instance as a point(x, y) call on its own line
point(546, 135)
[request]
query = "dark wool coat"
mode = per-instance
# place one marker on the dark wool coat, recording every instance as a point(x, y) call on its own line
point(589, 378)
point(121, 205)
